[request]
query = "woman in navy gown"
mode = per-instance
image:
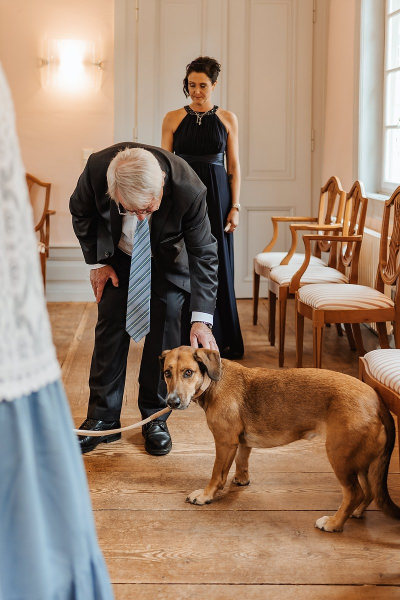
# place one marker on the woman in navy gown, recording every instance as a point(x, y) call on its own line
point(201, 133)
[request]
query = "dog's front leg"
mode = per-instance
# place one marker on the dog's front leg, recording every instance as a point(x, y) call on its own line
point(225, 453)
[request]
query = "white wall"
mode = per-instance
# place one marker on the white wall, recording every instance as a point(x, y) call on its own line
point(54, 127)
point(353, 98)
point(341, 108)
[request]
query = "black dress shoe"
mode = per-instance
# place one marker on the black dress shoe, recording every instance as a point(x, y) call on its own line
point(88, 443)
point(157, 438)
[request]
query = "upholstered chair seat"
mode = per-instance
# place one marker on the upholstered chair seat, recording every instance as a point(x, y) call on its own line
point(331, 297)
point(283, 274)
point(380, 369)
point(384, 366)
point(265, 261)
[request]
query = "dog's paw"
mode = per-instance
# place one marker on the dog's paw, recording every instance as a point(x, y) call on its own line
point(198, 497)
point(240, 481)
point(325, 524)
point(357, 514)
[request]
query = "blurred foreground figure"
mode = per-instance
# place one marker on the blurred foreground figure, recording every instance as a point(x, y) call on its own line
point(48, 544)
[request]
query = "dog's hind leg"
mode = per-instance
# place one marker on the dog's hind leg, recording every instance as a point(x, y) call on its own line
point(225, 453)
point(353, 496)
point(363, 479)
point(242, 465)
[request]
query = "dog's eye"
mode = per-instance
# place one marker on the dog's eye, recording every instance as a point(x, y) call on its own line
point(167, 374)
point(188, 373)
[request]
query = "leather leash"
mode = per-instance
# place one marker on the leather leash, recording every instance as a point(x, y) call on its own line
point(91, 433)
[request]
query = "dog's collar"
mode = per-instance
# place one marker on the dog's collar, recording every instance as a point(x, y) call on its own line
point(203, 387)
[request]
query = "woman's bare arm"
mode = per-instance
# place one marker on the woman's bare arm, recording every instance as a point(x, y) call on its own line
point(170, 124)
point(233, 166)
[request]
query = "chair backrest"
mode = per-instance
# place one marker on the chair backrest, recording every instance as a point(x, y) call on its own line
point(389, 268)
point(39, 194)
point(355, 212)
point(330, 211)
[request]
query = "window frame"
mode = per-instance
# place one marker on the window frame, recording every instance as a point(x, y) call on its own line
point(386, 185)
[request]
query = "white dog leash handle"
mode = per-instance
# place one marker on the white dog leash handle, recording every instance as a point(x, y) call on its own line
point(90, 433)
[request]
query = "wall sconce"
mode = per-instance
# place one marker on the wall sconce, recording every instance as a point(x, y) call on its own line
point(71, 66)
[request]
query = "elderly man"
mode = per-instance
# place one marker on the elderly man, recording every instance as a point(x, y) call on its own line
point(122, 190)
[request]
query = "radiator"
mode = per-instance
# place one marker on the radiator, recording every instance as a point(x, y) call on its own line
point(368, 265)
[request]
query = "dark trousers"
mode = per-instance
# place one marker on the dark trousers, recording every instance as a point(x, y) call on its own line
point(169, 328)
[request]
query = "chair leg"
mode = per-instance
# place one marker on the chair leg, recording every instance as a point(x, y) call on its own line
point(383, 336)
point(299, 338)
point(271, 317)
point(358, 338)
point(282, 330)
point(350, 336)
point(396, 330)
point(339, 329)
point(43, 265)
point(256, 292)
point(317, 345)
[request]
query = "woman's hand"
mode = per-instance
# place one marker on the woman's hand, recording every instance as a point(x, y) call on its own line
point(232, 221)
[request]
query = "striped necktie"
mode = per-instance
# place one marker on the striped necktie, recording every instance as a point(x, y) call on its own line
point(138, 307)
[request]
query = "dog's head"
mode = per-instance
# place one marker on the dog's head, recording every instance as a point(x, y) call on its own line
point(184, 370)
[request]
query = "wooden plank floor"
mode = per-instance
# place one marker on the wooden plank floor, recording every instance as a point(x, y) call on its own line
point(257, 542)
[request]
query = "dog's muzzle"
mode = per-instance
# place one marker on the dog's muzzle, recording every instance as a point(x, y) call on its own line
point(173, 401)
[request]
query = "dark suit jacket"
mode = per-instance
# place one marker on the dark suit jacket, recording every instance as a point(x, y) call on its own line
point(183, 248)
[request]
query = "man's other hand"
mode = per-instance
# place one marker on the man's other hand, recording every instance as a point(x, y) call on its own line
point(99, 278)
point(201, 335)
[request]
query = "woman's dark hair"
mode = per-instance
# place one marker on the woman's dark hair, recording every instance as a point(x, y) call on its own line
point(203, 64)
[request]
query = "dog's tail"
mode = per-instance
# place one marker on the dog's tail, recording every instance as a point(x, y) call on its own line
point(379, 468)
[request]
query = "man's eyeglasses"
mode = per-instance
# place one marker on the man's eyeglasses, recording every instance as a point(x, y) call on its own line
point(131, 213)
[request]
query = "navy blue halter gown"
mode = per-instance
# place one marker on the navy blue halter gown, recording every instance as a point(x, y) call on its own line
point(203, 147)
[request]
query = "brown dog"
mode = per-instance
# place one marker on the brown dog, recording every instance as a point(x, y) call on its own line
point(262, 408)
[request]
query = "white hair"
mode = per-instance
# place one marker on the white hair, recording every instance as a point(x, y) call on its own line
point(137, 177)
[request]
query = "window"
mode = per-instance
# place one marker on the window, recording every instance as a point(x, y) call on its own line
point(391, 119)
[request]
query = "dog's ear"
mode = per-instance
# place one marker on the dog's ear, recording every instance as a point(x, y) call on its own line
point(211, 361)
point(162, 359)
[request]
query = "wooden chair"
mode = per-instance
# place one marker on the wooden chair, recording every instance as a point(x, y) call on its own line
point(380, 369)
point(330, 212)
point(39, 194)
point(356, 304)
point(286, 279)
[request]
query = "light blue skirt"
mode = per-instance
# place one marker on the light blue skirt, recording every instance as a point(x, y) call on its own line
point(48, 543)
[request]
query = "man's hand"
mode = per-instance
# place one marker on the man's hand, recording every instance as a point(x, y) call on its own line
point(200, 334)
point(99, 278)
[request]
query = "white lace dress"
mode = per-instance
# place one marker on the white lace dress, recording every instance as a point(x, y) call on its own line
point(27, 357)
point(48, 544)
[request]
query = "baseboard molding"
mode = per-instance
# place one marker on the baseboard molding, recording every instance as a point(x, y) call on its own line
point(67, 276)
